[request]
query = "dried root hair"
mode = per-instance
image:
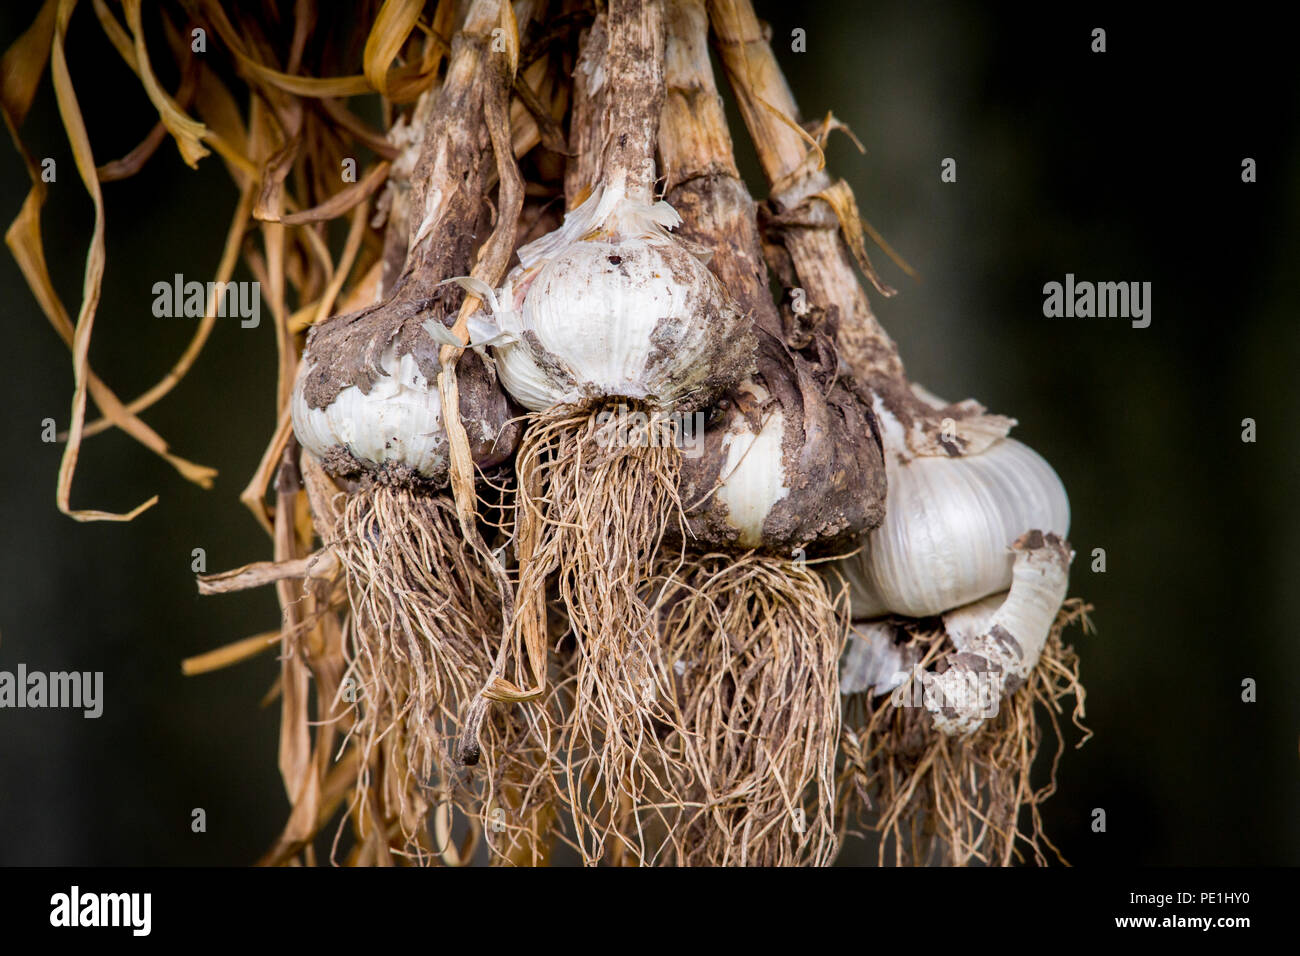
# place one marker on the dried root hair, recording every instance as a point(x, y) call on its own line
point(754, 642)
point(423, 628)
point(936, 799)
point(592, 511)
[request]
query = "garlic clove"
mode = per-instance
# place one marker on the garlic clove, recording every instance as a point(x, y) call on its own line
point(999, 658)
point(874, 661)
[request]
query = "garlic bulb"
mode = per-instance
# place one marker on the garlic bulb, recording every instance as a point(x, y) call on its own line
point(949, 525)
point(997, 642)
point(791, 463)
point(610, 304)
point(399, 420)
point(355, 414)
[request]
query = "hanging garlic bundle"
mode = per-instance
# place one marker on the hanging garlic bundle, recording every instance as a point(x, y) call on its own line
point(426, 611)
point(608, 319)
point(790, 463)
point(687, 447)
point(969, 512)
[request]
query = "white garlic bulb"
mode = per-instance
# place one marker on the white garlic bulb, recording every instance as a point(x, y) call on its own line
point(610, 304)
point(949, 525)
point(789, 463)
point(398, 421)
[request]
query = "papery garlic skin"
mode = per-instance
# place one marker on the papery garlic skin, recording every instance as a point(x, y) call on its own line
point(949, 525)
point(399, 421)
point(610, 305)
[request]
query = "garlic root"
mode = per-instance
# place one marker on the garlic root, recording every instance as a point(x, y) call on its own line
point(754, 641)
point(960, 800)
point(593, 518)
point(610, 313)
point(422, 638)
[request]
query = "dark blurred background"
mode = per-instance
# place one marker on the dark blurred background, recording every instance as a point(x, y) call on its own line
point(1117, 166)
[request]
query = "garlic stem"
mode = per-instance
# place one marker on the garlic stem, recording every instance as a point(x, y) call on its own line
point(806, 248)
point(634, 95)
point(368, 391)
point(701, 180)
point(793, 167)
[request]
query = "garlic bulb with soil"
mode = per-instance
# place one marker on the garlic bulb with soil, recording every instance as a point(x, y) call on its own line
point(387, 419)
point(914, 779)
point(793, 463)
point(424, 612)
point(999, 634)
point(398, 422)
point(610, 314)
point(426, 598)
